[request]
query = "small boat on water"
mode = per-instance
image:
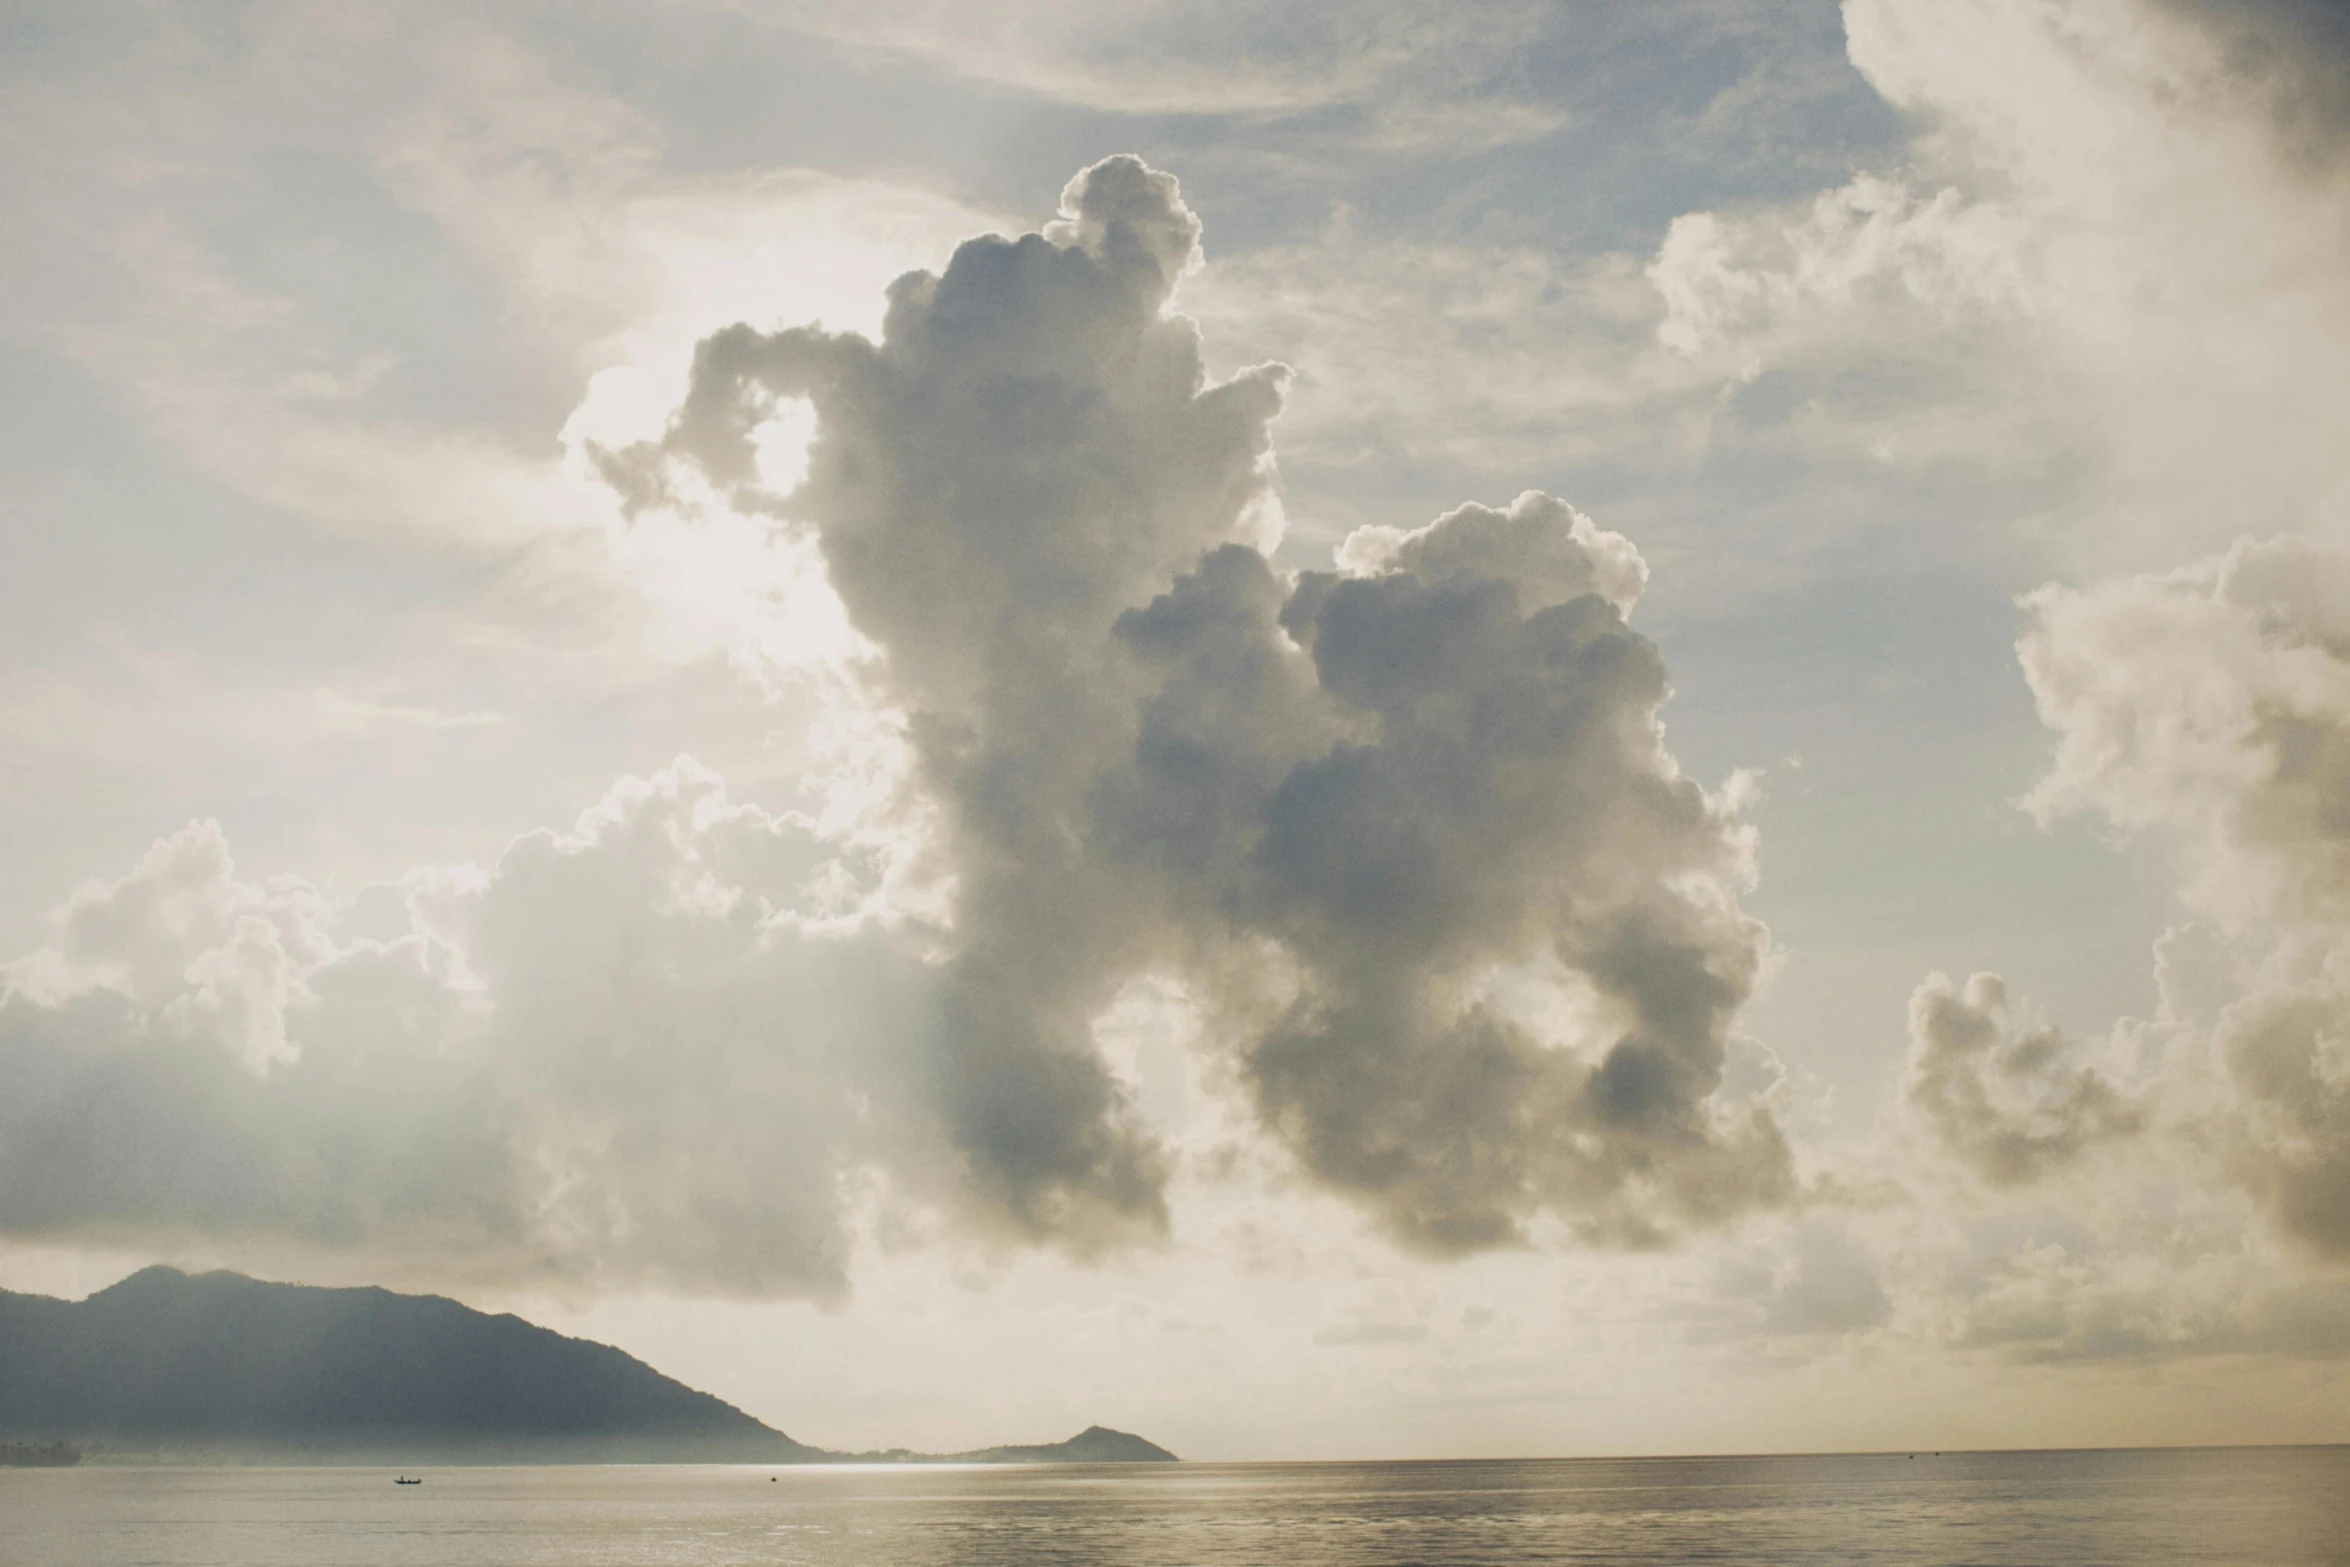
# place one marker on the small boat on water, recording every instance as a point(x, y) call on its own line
point(404, 1480)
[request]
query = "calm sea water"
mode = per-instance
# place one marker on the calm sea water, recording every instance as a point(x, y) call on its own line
point(2245, 1508)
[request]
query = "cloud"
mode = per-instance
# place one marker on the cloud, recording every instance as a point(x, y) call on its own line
point(1738, 293)
point(2212, 705)
point(1027, 452)
point(2105, 267)
point(2110, 255)
point(634, 1053)
point(182, 937)
point(2290, 56)
point(2206, 700)
point(1402, 842)
point(2005, 1102)
point(2181, 1187)
point(1551, 551)
point(1228, 57)
point(1508, 802)
point(1358, 817)
point(357, 714)
point(1338, 805)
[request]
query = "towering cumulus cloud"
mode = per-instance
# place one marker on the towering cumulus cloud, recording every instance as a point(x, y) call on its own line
point(1404, 836)
point(2210, 705)
point(2213, 704)
point(1027, 452)
point(1340, 806)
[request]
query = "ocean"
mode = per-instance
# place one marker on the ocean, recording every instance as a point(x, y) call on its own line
point(2245, 1507)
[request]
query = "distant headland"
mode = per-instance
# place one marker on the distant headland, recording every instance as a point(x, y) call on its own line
point(39, 1455)
point(217, 1366)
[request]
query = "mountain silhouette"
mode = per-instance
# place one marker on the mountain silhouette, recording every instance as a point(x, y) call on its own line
point(216, 1364)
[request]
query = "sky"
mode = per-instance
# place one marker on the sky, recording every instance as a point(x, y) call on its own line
point(1401, 730)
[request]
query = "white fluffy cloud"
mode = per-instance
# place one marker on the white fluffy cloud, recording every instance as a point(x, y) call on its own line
point(2101, 260)
point(182, 938)
point(2180, 1185)
point(1553, 552)
point(1738, 294)
point(2212, 705)
point(645, 1051)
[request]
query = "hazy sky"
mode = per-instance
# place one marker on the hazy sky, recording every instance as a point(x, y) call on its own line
point(1392, 729)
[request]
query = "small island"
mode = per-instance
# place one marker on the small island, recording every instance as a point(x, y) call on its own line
point(1093, 1445)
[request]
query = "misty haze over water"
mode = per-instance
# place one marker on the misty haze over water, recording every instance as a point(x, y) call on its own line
point(2272, 1507)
